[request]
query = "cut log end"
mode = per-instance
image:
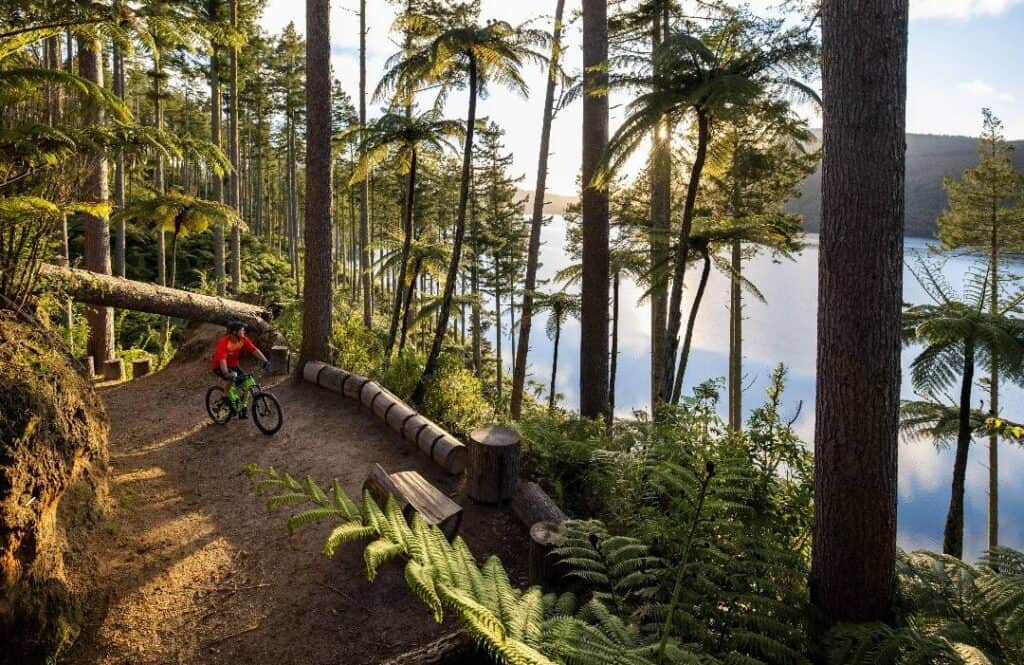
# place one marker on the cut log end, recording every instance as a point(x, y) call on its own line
point(113, 370)
point(544, 537)
point(141, 367)
point(493, 464)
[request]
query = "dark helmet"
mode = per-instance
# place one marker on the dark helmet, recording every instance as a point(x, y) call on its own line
point(235, 326)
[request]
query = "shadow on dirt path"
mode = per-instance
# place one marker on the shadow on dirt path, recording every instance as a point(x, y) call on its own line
point(193, 571)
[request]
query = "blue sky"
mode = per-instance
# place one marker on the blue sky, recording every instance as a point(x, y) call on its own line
point(964, 54)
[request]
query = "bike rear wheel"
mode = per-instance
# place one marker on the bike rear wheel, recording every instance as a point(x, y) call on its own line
point(266, 413)
point(218, 405)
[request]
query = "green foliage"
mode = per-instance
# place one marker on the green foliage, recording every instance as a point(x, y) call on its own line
point(947, 612)
point(515, 626)
point(454, 396)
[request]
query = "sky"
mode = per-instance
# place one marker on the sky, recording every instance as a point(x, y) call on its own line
point(964, 54)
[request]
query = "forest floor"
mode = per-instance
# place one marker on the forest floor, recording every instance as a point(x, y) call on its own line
point(192, 570)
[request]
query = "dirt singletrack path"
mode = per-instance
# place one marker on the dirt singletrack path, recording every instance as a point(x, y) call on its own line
point(192, 569)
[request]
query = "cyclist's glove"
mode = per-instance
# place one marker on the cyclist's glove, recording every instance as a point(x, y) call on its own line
point(266, 365)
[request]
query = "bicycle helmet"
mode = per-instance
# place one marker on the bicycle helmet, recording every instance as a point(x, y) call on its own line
point(235, 326)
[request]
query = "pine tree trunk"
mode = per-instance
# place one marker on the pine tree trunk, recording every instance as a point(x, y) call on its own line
point(735, 340)
point(953, 535)
point(860, 280)
point(317, 290)
point(407, 308)
point(993, 396)
point(691, 323)
point(119, 172)
point(460, 231)
point(94, 190)
point(594, 291)
point(234, 180)
point(497, 330)
point(537, 220)
point(661, 210)
point(675, 305)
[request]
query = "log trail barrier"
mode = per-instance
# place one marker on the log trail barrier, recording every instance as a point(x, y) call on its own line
point(443, 448)
point(113, 370)
point(141, 367)
point(531, 504)
point(493, 463)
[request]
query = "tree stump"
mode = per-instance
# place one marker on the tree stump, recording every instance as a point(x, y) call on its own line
point(113, 370)
point(493, 465)
point(141, 367)
point(279, 359)
point(544, 538)
point(531, 504)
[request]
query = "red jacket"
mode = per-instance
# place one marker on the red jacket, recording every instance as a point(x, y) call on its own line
point(228, 348)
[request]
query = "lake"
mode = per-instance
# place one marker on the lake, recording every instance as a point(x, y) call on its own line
point(782, 329)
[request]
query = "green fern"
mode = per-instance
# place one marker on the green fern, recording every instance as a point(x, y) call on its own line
point(515, 626)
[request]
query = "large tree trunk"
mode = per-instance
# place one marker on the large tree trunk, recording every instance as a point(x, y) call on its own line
point(594, 310)
point(661, 211)
point(953, 535)
point(234, 181)
point(675, 305)
point(736, 340)
point(97, 228)
point(107, 291)
point(317, 290)
point(460, 232)
point(614, 359)
point(537, 220)
point(364, 221)
point(860, 280)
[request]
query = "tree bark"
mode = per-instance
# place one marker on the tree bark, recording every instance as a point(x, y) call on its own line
point(953, 534)
point(554, 366)
point(317, 289)
point(993, 396)
point(537, 220)
point(108, 291)
point(119, 170)
point(234, 181)
point(460, 232)
point(594, 290)
point(661, 210)
point(213, 9)
point(613, 363)
point(860, 280)
point(452, 649)
point(97, 228)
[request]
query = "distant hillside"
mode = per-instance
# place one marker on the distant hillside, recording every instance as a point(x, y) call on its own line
point(930, 158)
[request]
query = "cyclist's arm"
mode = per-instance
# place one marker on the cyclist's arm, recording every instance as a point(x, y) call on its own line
point(251, 348)
point(224, 366)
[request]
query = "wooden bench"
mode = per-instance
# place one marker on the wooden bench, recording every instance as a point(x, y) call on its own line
point(412, 492)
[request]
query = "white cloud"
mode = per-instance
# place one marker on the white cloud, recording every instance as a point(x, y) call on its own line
point(959, 9)
point(980, 88)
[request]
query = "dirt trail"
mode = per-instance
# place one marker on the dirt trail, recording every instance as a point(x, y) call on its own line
point(191, 570)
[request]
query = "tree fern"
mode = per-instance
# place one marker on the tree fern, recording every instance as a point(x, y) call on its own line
point(515, 626)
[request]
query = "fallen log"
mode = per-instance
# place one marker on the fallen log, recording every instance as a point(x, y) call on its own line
point(103, 290)
point(531, 504)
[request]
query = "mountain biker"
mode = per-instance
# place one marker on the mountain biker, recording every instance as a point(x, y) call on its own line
point(225, 360)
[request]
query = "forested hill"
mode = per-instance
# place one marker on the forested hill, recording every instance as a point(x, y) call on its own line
point(930, 158)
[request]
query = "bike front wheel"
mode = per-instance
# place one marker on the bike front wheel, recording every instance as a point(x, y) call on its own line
point(218, 405)
point(267, 413)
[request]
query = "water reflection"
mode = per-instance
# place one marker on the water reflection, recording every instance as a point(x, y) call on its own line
point(782, 329)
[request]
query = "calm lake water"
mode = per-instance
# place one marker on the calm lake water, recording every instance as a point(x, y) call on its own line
point(782, 329)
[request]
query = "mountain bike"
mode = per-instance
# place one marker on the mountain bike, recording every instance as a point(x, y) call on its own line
point(266, 410)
